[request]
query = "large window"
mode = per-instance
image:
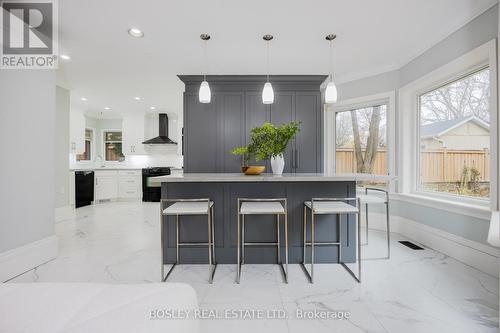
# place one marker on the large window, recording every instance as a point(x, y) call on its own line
point(113, 145)
point(455, 137)
point(361, 140)
point(89, 139)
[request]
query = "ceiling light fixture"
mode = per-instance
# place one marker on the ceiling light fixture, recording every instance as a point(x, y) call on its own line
point(204, 94)
point(107, 108)
point(137, 98)
point(152, 108)
point(134, 32)
point(83, 99)
point(65, 57)
point(331, 89)
point(267, 92)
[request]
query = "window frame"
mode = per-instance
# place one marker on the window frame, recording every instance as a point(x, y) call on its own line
point(418, 185)
point(104, 141)
point(409, 139)
point(92, 146)
point(331, 110)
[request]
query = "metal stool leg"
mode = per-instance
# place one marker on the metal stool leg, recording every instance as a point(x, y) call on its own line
point(238, 267)
point(176, 248)
point(286, 245)
point(213, 235)
point(162, 238)
point(278, 237)
point(358, 232)
point(312, 246)
point(243, 239)
point(340, 238)
point(388, 231)
point(305, 234)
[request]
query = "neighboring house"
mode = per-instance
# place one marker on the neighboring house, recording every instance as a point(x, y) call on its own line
point(469, 133)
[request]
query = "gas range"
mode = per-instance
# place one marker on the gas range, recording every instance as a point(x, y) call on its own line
point(151, 191)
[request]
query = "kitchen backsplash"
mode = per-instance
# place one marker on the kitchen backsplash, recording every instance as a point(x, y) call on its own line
point(135, 161)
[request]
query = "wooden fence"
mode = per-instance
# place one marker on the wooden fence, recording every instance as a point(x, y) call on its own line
point(438, 166)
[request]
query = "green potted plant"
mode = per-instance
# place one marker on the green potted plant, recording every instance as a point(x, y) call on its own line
point(269, 142)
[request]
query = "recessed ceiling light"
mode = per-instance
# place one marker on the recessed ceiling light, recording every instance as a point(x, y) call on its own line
point(83, 99)
point(65, 57)
point(137, 98)
point(107, 108)
point(134, 32)
point(152, 108)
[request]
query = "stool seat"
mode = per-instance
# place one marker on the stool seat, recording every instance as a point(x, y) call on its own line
point(188, 208)
point(371, 199)
point(262, 208)
point(331, 207)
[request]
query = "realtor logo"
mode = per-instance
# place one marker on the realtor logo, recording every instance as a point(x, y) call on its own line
point(29, 34)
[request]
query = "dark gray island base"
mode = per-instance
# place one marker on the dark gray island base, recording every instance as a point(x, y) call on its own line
point(224, 189)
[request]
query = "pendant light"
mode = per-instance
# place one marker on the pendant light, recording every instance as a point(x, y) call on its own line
point(331, 89)
point(204, 93)
point(267, 92)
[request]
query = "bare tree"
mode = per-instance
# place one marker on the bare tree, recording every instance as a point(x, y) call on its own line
point(364, 164)
point(343, 130)
point(463, 98)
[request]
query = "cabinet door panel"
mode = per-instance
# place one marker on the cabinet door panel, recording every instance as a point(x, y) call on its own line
point(200, 135)
point(232, 129)
point(282, 112)
point(256, 114)
point(307, 142)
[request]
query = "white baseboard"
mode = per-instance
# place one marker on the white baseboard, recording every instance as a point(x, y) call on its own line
point(480, 256)
point(26, 257)
point(65, 213)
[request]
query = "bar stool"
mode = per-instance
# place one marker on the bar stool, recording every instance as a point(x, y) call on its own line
point(331, 206)
point(189, 207)
point(252, 206)
point(367, 199)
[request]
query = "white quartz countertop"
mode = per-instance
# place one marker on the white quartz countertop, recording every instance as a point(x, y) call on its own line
point(286, 177)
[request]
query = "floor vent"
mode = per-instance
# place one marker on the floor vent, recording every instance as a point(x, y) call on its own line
point(411, 245)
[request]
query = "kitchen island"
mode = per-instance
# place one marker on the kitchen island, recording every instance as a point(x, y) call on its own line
point(225, 188)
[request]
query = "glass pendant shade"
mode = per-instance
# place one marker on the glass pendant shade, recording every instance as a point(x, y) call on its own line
point(204, 93)
point(331, 93)
point(268, 94)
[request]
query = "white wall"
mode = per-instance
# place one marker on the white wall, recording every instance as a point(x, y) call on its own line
point(27, 177)
point(62, 147)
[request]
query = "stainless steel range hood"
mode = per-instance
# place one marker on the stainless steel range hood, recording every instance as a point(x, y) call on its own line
point(162, 138)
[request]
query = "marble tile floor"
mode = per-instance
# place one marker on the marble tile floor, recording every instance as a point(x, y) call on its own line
point(414, 291)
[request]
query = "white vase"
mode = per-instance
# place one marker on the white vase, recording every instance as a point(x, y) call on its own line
point(277, 164)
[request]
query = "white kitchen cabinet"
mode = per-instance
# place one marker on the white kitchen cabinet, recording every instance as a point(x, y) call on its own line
point(130, 184)
point(76, 132)
point(133, 134)
point(106, 185)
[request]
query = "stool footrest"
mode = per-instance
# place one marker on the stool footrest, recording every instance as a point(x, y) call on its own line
point(323, 243)
point(261, 244)
point(194, 244)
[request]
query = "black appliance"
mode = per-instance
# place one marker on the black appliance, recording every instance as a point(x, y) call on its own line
point(162, 138)
point(151, 191)
point(84, 188)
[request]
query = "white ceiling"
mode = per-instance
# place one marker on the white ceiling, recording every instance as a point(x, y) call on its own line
point(109, 67)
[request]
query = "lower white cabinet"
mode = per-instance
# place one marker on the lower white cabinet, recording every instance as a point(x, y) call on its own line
point(130, 184)
point(122, 184)
point(106, 185)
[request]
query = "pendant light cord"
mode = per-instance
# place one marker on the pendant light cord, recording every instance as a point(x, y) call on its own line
point(267, 46)
point(331, 60)
point(205, 65)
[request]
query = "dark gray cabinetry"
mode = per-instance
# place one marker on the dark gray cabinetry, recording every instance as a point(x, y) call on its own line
point(200, 135)
point(212, 130)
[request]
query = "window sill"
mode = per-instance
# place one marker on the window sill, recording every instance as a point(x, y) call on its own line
point(478, 211)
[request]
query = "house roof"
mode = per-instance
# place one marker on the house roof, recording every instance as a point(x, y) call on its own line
point(439, 128)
